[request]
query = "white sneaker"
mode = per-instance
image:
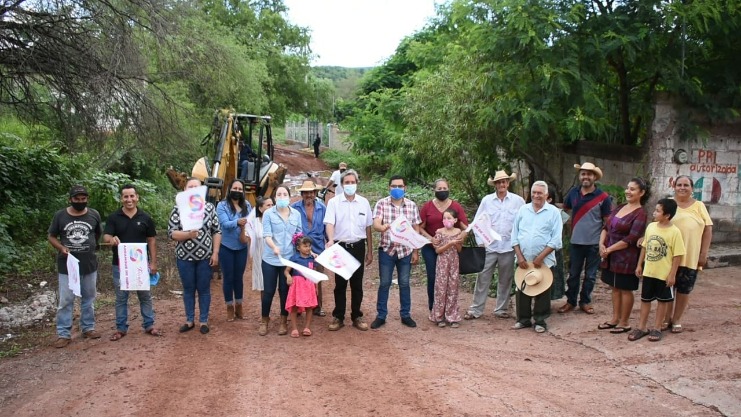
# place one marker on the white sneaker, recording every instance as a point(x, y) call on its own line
point(539, 329)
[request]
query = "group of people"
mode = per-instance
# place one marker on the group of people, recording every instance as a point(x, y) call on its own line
point(666, 254)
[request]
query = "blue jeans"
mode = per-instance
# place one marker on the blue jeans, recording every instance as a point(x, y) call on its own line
point(386, 264)
point(195, 276)
point(430, 257)
point(273, 277)
point(233, 263)
point(582, 257)
point(122, 305)
point(67, 304)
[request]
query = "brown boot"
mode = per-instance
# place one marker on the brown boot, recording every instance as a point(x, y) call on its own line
point(238, 312)
point(283, 328)
point(229, 312)
point(264, 326)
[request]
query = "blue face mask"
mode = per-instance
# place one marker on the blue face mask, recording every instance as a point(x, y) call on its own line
point(282, 202)
point(350, 189)
point(397, 193)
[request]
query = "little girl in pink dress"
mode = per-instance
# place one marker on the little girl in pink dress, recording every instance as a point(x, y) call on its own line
point(301, 291)
point(448, 242)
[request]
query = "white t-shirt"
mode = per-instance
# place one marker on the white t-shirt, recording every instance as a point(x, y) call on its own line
point(335, 178)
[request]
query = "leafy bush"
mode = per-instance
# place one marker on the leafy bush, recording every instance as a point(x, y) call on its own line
point(617, 192)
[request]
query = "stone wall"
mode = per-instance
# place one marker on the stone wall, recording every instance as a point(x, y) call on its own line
point(713, 163)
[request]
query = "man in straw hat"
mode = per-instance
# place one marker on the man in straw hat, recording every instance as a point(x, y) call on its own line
point(536, 234)
point(501, 207)
point(312, 213)
point(335, 180)
point(590, 207)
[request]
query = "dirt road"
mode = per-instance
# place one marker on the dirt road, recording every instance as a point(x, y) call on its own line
point(480, 369)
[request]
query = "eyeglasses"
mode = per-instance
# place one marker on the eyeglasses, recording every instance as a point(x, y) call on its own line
point(396, 186)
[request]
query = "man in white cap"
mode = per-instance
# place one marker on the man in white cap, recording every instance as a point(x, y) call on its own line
point(501, 207)
point(335, 182)
point(590, 207)
point(536, 235)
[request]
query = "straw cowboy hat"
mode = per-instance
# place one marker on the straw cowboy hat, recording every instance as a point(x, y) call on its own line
point(533, 281)
point(588, 166)
point(308, 185)
point(500, 175)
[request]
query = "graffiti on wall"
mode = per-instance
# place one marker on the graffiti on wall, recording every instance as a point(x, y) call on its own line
point(711, 178)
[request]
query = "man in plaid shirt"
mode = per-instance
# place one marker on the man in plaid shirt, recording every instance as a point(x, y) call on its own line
point(391, 254)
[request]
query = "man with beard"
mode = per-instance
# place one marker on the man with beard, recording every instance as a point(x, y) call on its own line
point(590, 208)
point(75, 231)
point(312, 225)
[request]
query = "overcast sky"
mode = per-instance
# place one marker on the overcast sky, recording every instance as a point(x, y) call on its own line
point(358, 33)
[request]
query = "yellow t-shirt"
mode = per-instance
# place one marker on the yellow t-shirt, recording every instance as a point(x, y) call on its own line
point(691, 222)
point(662, 245)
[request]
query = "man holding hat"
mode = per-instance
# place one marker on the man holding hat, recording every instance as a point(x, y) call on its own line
point(500, 207)
point(75, 230)
point(536, 234)
point(312, 225)
point(590, 208)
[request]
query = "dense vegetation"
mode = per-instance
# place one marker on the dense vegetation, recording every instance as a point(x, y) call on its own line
point(493, 81)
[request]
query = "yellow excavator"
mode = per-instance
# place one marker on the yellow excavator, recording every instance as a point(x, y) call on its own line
point(236, 156)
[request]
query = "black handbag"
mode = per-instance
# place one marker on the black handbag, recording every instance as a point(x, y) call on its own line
point(472, 257)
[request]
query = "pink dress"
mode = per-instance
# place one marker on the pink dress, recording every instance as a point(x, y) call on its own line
point(447, 281)
point(301, 293)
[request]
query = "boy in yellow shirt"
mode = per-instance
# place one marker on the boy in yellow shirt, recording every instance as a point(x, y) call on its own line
point(662, 250)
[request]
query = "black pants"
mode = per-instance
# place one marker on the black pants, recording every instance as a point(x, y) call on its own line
point(357, 250)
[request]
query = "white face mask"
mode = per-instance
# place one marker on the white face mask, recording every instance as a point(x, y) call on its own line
point(350, 189)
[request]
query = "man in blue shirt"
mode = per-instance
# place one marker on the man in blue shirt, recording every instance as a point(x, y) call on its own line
point(536, 235)
point(312, 225)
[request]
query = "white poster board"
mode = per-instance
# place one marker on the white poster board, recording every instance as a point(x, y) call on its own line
point(338, 260)
point(402, 232)
point(192, 207)
point(133, 264)
point(481, 226)
point(308, 273)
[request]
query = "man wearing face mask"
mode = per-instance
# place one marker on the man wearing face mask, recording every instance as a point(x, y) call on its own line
point(393, 255)
point(501, 208)
point(348, 223)
point(75, 230)
point(336, 180)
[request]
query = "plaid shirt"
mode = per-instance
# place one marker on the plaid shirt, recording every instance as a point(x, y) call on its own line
point(388, 212)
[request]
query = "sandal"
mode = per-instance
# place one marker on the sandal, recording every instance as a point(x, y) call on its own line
point(319, 312)
point(469, 316)
point(153, 331)
point(117, 336)
point(440, 324)
point(306, 332)
point(637, 334)
point(186, 327)
point(666, 325)
point(654, 335)
point(587, 308)
point(606, 325)
point(677, 328)
point(294, 333)
point(565, 308)
point(455, 325)
point(620, 329)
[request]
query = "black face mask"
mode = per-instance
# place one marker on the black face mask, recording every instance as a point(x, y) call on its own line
point(442, 195)
point(342, 170)
point(236, 195)
point(79, 206)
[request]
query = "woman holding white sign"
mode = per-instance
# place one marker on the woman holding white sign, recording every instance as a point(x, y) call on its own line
point(196, 251)
point(279, 224)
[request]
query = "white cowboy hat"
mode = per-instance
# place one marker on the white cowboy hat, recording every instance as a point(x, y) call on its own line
point(533, 281)
point(500, 175)
point(588, 166)
point(307, 185)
